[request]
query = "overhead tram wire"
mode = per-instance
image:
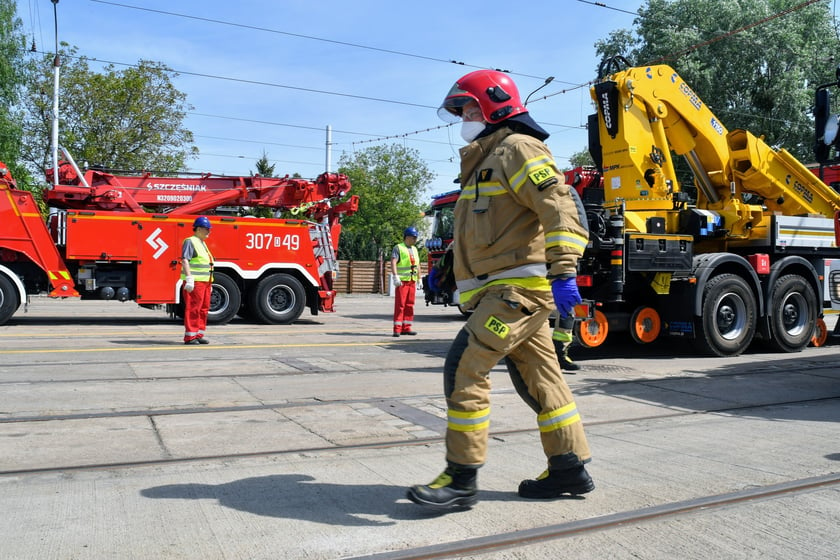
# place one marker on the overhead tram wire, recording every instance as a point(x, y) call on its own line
point(575, 86)
point(35, 21)
point(310, 37)
point(378, 136)
point(603, 5)
point(254, 82)
point(229, 156)
point(257, 121)
point(320, 148)
point(270, 84)
point(404, 135)
point(251, 82)
point(424, 130)
point(683, 52)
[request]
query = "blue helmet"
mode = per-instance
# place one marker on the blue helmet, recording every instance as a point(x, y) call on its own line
point(201, 221)
point(410, 231)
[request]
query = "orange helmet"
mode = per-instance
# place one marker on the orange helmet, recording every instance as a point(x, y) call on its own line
point(494, 92)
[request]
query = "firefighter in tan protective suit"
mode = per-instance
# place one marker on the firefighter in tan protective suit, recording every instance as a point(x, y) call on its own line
point(519, 233)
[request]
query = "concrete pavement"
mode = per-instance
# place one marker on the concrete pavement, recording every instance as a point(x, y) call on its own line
point(298, 441)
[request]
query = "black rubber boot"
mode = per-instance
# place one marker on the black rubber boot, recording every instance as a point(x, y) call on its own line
point(566, 363)
point(454, 487)
point(554, 483)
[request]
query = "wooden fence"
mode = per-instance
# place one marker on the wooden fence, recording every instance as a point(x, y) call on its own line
point(365, 277)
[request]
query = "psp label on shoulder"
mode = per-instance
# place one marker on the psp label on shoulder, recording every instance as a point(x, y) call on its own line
point(539, 176)
point(497, 327)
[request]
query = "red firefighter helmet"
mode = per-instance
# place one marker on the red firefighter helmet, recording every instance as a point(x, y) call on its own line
point(494, 92)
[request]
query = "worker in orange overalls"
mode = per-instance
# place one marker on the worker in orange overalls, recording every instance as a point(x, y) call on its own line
point(197, 277)
point(519, 233)
point(405, 270)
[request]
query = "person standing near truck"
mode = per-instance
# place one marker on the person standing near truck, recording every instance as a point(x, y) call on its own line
point(405, 270)
point(197, 277)
point(518, 236)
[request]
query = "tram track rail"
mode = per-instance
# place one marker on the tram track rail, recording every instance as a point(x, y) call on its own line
point(313, 368)
point(533, 536)
point(299, 441)
point(389, 444)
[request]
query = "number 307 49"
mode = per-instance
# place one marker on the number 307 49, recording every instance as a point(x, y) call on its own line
point(260, 241)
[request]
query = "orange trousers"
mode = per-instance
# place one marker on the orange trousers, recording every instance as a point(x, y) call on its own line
point(197, 305)
point(404, 297)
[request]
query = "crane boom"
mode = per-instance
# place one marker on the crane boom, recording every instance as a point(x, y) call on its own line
point(98, 189)
point(649, 113)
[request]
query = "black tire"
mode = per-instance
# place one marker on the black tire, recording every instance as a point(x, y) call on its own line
point(9, 301)
point(224, 300)
point(727, 324)
point(278, 299)
point(245, 312)
point(792, 313)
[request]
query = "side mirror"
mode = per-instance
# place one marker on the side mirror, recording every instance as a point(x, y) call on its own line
point(826, 126)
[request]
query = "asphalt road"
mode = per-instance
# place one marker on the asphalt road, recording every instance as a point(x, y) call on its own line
point(298, 441)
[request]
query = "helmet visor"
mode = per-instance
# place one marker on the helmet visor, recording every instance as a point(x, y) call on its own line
point(450, 109)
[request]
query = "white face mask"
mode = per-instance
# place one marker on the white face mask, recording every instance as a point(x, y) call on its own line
point(471, 129)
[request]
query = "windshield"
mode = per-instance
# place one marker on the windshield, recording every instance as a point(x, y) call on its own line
point(444, 225)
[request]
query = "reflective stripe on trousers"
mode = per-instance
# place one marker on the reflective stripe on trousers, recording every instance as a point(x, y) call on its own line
point(404, 298)
point(508, 323)
point(196, 307)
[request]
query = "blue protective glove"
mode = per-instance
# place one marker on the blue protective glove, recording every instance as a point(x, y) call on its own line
point(566, 295)
point(433, 280)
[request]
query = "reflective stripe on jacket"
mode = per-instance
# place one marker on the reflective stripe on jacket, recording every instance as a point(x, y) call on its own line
point(201, 265)
point(515, 218)
point(406, 271)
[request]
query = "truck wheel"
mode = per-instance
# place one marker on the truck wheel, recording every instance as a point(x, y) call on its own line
point(8, 299)
point(793, 314)
point(645, 325)
point(592, 333)
point(278, 299)
point(727, 325)
point(820, 335)
point(224, 300)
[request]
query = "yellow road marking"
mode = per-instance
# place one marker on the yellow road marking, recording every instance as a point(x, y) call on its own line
point(179, 332)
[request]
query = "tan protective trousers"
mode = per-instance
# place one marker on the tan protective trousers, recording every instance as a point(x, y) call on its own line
point(508, 322)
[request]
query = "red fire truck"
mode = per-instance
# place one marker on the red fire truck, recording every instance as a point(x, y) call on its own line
point(119, 237)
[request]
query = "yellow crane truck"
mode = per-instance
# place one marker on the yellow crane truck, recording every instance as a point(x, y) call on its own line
point(739, 253)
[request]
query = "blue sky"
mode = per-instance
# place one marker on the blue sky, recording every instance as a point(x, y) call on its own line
point(369, 69)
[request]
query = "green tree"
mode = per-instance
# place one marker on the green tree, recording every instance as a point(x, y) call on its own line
point(391, 182)
point(754, 71)
point(264, 168)
point(581, 159)
point(130, 119)
point(12, 78)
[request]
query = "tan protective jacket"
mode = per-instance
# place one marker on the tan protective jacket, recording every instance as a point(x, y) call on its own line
point(514, 215)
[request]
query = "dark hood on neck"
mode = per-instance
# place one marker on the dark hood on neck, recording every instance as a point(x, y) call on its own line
point(521, 123)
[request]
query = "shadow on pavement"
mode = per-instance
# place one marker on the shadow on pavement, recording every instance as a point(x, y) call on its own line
point(787, 387)
point(300, 496)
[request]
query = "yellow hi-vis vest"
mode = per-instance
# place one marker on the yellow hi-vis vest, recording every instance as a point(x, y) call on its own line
point(201, 265)
point(408, 267)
